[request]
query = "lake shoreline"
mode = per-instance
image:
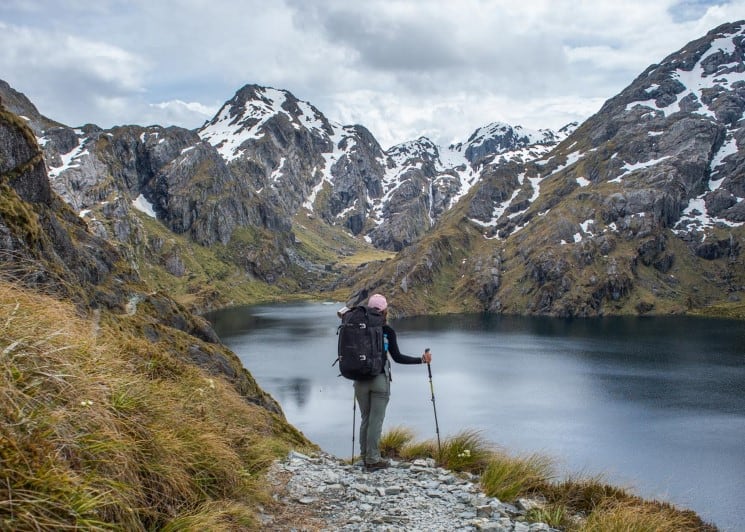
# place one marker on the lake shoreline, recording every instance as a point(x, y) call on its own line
point(735, 311)
point(664, 417)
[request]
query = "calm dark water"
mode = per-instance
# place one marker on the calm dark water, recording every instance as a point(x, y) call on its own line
point(654, 404)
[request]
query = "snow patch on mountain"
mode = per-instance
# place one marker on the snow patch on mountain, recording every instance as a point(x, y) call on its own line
point(696, 216)
point(69, 158)
point(572, 158)
point(729, 147)
point(277, 173)
point(698, 80)
point(629, 168)
point(500, 208)
point(144, 206)
point(310, 118)
point(343, 141)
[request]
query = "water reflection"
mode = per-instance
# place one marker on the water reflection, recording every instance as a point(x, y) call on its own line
point(295, 389)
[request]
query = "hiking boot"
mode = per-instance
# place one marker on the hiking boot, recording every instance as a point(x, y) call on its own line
point(382, 464)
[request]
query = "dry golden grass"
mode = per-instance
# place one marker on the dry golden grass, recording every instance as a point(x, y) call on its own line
point(95, 435)
point(633, 516)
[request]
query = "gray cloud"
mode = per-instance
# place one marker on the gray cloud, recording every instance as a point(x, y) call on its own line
point(401, 68)
point(685, 10)
point(382, 40)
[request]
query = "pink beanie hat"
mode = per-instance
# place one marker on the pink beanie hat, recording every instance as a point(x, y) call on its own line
point(377, 301)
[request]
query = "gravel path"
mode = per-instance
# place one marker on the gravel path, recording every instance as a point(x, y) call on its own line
point(323, 493)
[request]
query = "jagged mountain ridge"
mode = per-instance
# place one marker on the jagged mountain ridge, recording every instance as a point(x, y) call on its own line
point(371, 191)
point(282, 153)
point(261, 160)
point(638, 210)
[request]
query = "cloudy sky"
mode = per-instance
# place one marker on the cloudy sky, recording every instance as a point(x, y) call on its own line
point(402, 68)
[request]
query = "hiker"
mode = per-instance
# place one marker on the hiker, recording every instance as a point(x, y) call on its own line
point(372, 395)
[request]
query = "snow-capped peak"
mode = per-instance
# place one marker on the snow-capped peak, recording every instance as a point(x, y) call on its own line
point(243, 117)
point(500, 138)
point(422, 149)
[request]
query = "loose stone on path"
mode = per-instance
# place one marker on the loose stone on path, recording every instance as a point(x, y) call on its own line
point(408, 496)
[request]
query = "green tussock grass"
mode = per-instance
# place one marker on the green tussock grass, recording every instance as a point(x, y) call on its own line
point(364, 256)
point(96, 436)
point(508, 477)
point(394, 440)
point(575, 504)
point(399, 442)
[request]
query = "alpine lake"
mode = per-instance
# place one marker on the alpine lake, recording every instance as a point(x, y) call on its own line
point(653, 404)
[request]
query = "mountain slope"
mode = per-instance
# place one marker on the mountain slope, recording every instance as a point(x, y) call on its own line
point(638, 210)
point(46, 247)
point(269, 188)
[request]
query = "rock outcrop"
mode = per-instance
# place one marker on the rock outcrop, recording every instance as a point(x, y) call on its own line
point(46, 246)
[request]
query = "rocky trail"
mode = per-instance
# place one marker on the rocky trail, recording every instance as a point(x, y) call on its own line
point(322, 492)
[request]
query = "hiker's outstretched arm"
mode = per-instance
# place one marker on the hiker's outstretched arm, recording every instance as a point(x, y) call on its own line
point(395, 352)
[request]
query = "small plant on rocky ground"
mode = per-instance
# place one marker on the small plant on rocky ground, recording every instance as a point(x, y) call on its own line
point(466, 451)
point(554, 515)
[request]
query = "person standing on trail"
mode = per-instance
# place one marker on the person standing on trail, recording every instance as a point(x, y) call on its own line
point(372, 395)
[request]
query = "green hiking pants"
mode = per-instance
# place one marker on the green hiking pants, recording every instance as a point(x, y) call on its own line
point(372, 396)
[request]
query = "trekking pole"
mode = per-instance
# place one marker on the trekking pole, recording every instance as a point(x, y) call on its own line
point(354, 419)
point(434, 407)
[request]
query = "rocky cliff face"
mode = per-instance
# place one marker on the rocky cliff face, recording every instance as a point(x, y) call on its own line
point(42, 242)
point(45, 245)
point(638, 210)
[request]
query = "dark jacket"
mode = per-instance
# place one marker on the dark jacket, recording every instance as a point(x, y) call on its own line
point(395, 352)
